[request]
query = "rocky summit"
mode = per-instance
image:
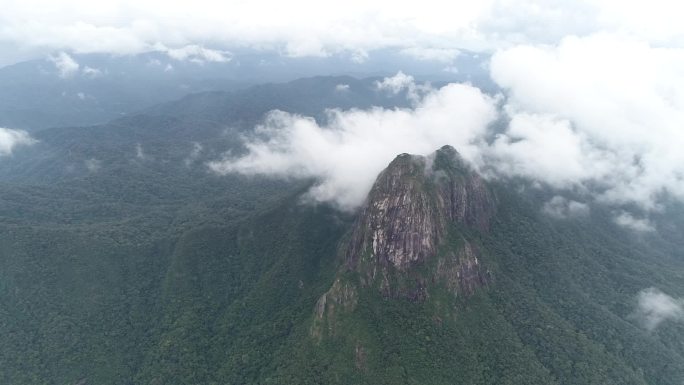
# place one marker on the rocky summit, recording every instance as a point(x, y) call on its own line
point(417, 232)
point(442, 267)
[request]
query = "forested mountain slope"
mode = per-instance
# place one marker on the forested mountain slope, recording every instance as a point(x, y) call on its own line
point(124, 260)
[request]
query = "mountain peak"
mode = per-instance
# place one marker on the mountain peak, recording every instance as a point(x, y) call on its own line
point(421, 212)
point(415, 235)
point(447, 158)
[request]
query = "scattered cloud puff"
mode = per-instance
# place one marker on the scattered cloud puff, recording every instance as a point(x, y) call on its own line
point(627, 220)
point(195, 152)
point(602, 110)
point(92, 72)
point(67, 67)
point(562, 208)
point(342, 87)
point(346, 155)
point(445, 55)
point(139, 152)
point(401, 82)
point(396, 83)
point(65, 64)
point(655, 307)
point(9, 139)
point(358, 56)
point(198, 54)
point(93, 165)
point(451, 69)
point(542, 147)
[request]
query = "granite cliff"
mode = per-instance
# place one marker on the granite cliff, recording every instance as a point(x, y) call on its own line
point(416, 234)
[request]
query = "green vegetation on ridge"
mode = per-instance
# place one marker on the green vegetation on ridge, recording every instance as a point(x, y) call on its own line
point(154, 271)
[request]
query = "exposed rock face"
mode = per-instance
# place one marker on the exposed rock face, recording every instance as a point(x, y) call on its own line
point(408, 213)
point(463, 195)
point(413, 235)
point(462, 272)
point(342, 295)
point(398, 225)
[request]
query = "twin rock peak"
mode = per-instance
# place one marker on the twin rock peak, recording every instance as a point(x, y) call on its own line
point(417, 233)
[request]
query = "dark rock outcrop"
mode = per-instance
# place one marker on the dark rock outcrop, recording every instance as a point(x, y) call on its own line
point(398, 225)
point(414, 234)
point(407, 217)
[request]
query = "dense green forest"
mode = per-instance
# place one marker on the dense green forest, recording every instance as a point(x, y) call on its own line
point(148, 269)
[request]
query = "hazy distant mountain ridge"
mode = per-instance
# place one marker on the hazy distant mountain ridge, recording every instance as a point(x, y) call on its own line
point(85, 89)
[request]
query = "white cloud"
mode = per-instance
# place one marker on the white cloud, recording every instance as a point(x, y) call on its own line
point(432, 28)
point(601, 115)
point(402, 82)
point(194, 154)
point(198, 54)
point(65, 64)
point(561, 208)
point(446, 55)
point(396, 83)
point(92, 72)
point(93, 165)
point(627, 220)
point(542, 147)
point(512, 22)
point(139, 153)
point(600, 112)
point(655, 307)
point(346, 155)
point(342, 87)
point(9, 139)
point(452, 69)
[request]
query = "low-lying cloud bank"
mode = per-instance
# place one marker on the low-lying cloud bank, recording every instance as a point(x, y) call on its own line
point(599, 115)
point(561, 208)
point(9, 139)
point(347, 154)
point(655, 307)
point(195, 54)
point(429, 30)
point(597, 111)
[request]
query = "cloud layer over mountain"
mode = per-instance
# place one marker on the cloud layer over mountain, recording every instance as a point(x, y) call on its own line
point(598, 115)
point(592, 91)
point(429, 29)
point(347, 154)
